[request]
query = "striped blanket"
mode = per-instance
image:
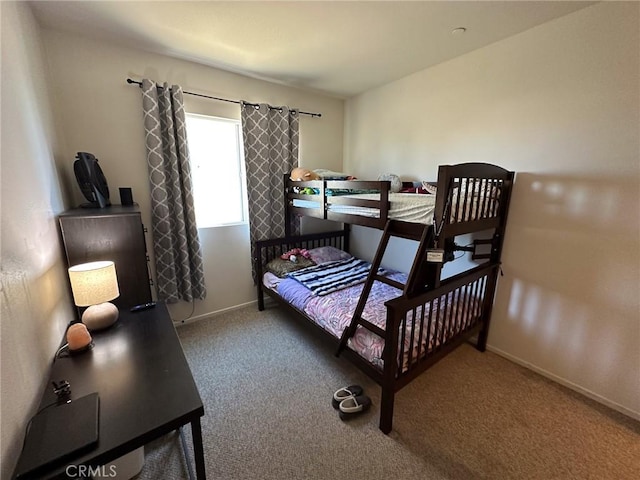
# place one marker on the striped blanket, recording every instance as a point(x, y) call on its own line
point(328, 277)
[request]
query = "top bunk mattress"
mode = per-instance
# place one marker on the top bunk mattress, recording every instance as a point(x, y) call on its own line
point(406, 207)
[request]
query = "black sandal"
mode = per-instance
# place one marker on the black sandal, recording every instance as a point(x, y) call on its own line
point(354, 406)
point(345, 393)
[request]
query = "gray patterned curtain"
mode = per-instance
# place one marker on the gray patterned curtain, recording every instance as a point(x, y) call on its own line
point(270, 150)
point(178, 257)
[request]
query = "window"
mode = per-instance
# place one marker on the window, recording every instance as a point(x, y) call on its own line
point(217, 167)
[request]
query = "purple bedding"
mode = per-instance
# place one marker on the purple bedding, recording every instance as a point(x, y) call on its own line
point(294, 292)
point(334, 312)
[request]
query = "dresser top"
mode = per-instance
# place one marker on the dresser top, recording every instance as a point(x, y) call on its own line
point(102, 212)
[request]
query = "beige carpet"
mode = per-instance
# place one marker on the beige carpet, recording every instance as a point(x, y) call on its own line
point(266, 383)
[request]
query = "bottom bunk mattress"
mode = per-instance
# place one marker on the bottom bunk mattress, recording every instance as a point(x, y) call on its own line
point(424, 329)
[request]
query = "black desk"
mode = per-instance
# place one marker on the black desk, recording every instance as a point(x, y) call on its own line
point(145, 385)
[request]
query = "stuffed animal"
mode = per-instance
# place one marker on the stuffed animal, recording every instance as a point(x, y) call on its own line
point(292, 255)
point(303, 175)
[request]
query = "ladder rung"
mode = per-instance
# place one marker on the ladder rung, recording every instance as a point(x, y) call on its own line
point(370, 326)
point(408, 230)
point(388, 281)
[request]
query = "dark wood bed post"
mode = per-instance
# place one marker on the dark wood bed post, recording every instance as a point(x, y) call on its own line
point(390, 358)
point(496, 254)
point(346, 240)
point(487, 307)
point(287, 212)
point(258, 260)
point(433, 270)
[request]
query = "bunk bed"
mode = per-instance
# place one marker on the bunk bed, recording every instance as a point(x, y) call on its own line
point(394, 326)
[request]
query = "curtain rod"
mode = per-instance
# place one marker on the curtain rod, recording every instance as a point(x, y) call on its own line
point(129, 81)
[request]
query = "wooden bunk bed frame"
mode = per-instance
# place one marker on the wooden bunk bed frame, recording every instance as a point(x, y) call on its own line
point(425, 309)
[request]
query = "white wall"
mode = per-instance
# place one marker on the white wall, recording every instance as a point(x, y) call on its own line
point(559, 104)
point(100, 113)
point(36, 305)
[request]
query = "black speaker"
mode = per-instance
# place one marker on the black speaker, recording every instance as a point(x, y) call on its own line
point(126, 197)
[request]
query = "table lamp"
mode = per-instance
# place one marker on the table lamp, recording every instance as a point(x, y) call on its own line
point(93, 285)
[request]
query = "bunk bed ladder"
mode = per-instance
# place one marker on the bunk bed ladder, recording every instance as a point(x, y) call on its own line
point(393, 228)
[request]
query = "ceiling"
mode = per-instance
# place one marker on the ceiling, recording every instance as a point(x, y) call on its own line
point(338, 48)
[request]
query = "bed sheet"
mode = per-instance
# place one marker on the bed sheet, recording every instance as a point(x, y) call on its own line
point(407, 207)
point(334, 312)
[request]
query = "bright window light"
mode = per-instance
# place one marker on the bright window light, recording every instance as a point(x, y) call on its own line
point(217, 167)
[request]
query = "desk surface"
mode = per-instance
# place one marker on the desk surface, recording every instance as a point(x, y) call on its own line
point(146, 388)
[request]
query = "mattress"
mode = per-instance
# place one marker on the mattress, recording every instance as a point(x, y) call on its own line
point(406, 207)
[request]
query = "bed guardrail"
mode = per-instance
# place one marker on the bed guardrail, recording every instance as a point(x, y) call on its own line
point(428, 321)
point(424, 329)
point(471, 197)
point(321, 204)
point(267, 250)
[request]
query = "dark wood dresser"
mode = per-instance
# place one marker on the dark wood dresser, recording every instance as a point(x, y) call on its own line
point(114, 233)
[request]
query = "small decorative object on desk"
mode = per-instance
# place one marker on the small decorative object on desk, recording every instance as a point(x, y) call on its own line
point(78, 338)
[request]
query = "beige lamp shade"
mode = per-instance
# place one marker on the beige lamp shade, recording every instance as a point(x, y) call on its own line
point(93, 283)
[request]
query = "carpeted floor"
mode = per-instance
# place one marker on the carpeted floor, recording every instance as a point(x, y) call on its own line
point(266, 383)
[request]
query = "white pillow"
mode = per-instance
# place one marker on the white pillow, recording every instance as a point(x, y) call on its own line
point(396, 183)
point(328, 254)
point(429, 188)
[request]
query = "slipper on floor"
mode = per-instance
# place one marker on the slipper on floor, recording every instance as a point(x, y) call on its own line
point(344, 393)
point(353, 406)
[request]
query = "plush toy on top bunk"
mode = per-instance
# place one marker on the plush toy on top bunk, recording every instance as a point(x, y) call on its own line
point(299, 174)
point(303, 175)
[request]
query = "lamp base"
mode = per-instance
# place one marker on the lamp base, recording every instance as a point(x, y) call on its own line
point(98, 317)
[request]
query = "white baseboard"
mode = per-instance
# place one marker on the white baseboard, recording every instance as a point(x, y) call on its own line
point(562, 381)
point(214, 313)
